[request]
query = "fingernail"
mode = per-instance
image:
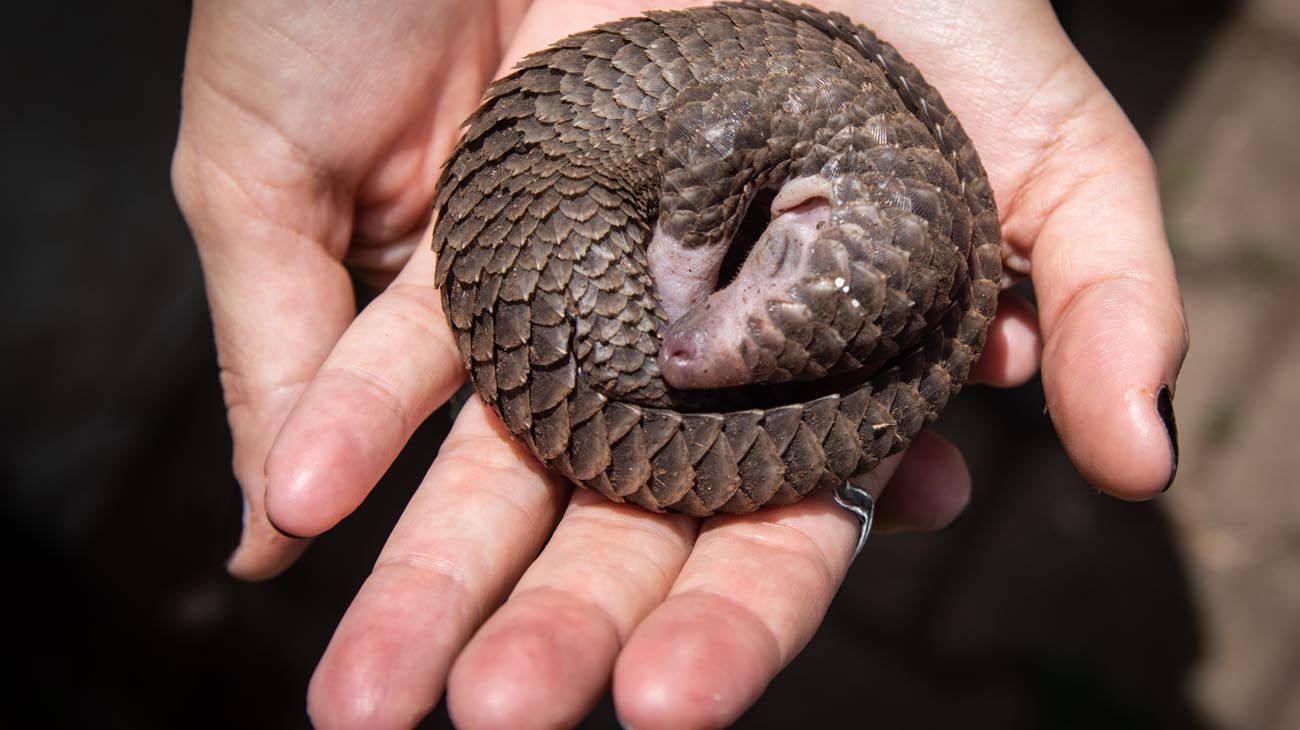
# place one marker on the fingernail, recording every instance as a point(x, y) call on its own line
point(1165, 407)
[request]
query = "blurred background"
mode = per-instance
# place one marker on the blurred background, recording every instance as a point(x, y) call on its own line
point(1046, 605)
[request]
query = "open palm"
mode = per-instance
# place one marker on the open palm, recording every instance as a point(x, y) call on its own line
point(311, 139)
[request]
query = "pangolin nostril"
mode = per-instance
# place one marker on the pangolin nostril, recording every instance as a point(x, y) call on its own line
point(682, 348)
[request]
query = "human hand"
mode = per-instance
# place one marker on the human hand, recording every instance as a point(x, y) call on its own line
point(691, 633)
point(310, 143)
point(1080, 212)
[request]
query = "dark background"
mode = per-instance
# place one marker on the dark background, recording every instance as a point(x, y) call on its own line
point(1046, 605)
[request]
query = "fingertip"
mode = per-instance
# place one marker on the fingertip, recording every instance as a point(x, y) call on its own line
point(288, 533)
point(263, 552)
point(387, 373)
point(541, 661)
point(1132, 456)
point(1108, 381)
point(333, 448)
point(333, 701)
point(386, 664)
point(693, 663)
point(308, 475)
point(931, 488)
point(359, 696)
point(1013, 345)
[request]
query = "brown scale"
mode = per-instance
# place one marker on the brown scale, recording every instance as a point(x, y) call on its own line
point(677, 119)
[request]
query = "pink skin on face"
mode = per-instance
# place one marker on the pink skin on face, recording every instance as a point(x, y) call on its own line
point(726, 337)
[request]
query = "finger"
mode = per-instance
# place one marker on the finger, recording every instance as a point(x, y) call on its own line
point(1012, 347)
point(930, 489)
point(269, 187)
point(546, 656)
point(278, 302)
point(265, 222)
point(395, 364)
point(389, 370)
point(544, 659)
point(437, 579)
point(1110, 311)
point(749, 597)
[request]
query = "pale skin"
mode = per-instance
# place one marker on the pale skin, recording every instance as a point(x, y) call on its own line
point(310, 144)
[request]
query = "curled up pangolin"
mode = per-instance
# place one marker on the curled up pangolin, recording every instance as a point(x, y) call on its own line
point(590, 225)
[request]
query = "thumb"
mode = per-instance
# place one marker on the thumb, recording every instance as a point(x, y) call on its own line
point(279, 301)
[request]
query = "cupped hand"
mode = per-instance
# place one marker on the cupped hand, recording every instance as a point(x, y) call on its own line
point(1076, 193)
point(311, 140)
point(311, 137)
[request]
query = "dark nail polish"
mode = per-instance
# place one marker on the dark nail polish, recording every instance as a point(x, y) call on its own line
point(1165, 407)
